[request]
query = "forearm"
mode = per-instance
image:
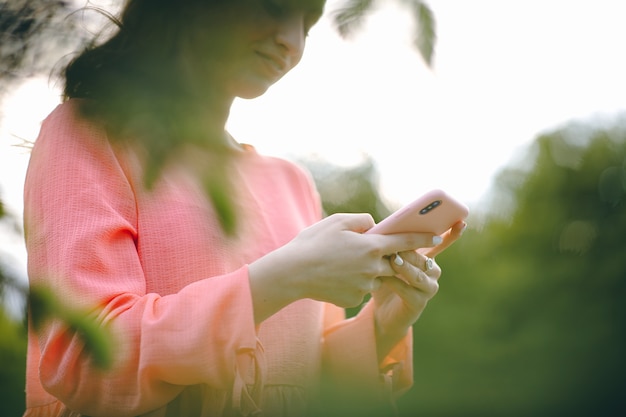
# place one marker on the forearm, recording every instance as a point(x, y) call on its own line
point(162, 344)
point(352, 365)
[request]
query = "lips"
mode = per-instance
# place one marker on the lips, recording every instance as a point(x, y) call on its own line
point(274, 63)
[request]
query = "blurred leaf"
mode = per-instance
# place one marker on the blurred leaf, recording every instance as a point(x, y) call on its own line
point(97, 339)
point(217, 189)
point(349, 18)
point(425, 34)
point(44, 305)
point(33, 34)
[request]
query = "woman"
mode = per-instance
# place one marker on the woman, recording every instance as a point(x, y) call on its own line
point(206, 322)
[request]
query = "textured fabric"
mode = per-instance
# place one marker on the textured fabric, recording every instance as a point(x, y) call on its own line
point(156, 268)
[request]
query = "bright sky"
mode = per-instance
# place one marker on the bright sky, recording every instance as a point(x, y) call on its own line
point(504, 71)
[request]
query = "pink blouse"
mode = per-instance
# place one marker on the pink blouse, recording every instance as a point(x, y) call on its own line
point(156, 268)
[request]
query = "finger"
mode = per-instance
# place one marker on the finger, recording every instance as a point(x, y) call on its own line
point(426, 284)
point(401, 242)
point(426, 264)
point(448, 238)
point(413, 275)
point(412, 294)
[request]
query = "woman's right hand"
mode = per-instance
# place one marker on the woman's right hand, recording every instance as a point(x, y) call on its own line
point(331, 261)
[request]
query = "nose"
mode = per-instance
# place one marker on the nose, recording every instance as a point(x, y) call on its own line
point(290, 35)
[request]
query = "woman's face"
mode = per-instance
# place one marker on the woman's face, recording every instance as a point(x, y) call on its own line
point(239, 48)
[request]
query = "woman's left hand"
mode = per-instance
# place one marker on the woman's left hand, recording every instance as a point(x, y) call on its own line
point(401, 299)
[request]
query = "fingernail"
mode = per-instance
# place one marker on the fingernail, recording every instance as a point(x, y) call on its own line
point(398, 260)
point(463, 229)
point(437, 240)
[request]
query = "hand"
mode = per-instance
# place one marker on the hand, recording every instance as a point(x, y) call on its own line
point(330, 261)
point(400, 302)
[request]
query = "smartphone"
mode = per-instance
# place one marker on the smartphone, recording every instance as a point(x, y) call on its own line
point(434, 212)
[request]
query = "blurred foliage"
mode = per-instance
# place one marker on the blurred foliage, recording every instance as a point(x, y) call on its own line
point(530, 318)
point(353, 189)
point(12, 344)
point(350, 16)
point(13, 330)
point(97, 340)
point(33, 35)
point(12, 365)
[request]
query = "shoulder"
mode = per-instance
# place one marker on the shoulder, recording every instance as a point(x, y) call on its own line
point(291, 180)
point(71, 147)
point(66, 131)
point(289, 170)
point(69, 118)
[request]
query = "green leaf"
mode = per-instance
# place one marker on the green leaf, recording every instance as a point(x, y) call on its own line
point(97, 339)
point(98, 342)
point(350, 17)
point(218, 191)
point(425, 30)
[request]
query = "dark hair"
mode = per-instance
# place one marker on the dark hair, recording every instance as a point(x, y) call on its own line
point(133, 82)
point(135, 60)
point(135, 85)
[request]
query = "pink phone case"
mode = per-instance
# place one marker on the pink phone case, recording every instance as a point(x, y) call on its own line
point(434, 212)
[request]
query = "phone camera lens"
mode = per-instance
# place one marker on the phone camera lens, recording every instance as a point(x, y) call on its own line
point(430, 206)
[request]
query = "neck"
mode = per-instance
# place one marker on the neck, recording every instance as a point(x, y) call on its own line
point(207, 117)
point(210, 113)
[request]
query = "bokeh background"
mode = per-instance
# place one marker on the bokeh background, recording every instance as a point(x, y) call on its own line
point(521, 114)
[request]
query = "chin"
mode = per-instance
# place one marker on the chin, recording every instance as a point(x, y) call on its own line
point(253, 87)
point(248, 95)
point(251, 92)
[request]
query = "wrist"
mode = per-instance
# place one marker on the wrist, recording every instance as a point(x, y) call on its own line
point(388, 334)
point(270, 285)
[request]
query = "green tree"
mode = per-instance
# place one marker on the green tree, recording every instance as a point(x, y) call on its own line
point(12, 365)
point(530, 319)
point(12, 339)
point(353, 189)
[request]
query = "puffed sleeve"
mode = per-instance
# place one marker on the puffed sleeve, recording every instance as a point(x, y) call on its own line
point(81, 235)
point(355, 381)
